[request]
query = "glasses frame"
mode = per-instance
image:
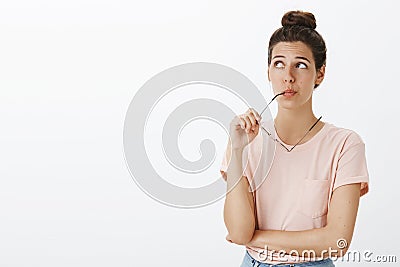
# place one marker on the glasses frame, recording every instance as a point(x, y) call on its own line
point(275, 139)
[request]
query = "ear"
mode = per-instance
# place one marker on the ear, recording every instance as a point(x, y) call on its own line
point(320, 75)
point(269, 79)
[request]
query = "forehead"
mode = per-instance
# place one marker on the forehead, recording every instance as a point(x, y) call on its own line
point(292, 50)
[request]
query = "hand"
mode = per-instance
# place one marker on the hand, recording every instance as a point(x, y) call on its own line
point(244, 128)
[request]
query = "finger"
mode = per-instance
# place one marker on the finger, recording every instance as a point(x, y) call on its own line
point(253, 120)
point(256, 115)
point(248, 123)
point(242, 122)
point(238, 121)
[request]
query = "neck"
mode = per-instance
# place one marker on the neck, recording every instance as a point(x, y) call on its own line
point(292, 124)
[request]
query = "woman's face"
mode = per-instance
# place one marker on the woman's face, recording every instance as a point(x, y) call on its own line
point(292, 69)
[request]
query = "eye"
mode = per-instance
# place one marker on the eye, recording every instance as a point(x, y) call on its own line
point(279, 65)
point(301, 65)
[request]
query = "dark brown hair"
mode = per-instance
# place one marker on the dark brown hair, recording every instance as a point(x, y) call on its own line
point(300, 26)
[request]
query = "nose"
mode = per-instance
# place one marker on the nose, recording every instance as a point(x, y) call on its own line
point(288, 78)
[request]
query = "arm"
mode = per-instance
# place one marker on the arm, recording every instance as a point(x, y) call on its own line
point(340, 225)
point(239, 215)
point(239, 206)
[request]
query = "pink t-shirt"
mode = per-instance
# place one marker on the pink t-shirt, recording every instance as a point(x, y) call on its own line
point(293, 193)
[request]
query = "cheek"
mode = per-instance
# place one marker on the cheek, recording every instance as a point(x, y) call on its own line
point(275, 75)
point(307, 79)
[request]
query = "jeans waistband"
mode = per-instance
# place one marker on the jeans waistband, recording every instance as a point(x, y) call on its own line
point(249, 261)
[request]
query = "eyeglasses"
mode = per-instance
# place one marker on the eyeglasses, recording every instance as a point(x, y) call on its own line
point(275, 139)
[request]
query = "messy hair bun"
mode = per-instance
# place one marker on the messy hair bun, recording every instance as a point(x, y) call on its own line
point(299, 18)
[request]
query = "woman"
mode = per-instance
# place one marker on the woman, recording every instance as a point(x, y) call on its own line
point(305, 210)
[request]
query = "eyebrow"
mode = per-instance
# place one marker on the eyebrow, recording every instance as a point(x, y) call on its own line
point(299, 57)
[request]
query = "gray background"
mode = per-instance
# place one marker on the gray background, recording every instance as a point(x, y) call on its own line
point(68, 71)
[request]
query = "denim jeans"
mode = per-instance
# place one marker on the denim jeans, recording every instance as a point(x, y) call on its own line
point(248, 261)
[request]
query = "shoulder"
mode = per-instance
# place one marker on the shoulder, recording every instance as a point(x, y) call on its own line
point(341, 140)
point(342, 135)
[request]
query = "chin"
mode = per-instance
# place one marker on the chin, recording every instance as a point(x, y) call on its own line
point(288, 105)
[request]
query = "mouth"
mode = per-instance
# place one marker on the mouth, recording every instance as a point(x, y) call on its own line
point(289, 92)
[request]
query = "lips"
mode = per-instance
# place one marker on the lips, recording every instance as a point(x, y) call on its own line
point(289, 92)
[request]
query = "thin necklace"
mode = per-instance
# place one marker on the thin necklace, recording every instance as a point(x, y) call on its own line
point(287, 149)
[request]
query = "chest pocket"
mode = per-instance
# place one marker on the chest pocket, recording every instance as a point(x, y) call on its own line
point(314, 198)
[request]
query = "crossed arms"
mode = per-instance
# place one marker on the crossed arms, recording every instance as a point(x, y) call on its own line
point(240, 221)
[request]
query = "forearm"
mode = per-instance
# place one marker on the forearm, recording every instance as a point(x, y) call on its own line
point(322, 241)
point(338, 230)
point(239, 206)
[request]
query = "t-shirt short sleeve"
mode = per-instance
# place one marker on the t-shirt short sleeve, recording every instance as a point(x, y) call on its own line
point(248, 166)
point(352, 166)
point(226, 160)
